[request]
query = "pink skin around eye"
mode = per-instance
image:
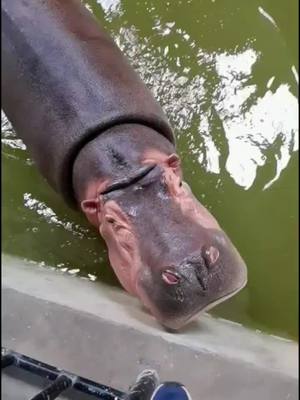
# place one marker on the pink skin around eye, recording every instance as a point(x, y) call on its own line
point(170, 278)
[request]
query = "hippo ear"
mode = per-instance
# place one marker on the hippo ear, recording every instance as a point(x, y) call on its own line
point(173, 161)
point(90, 206)
point(91, 209)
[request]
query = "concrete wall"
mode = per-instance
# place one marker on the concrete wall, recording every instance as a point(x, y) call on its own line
point(102, 333)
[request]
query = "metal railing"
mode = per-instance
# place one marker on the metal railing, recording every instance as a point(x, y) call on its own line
point(60, 380)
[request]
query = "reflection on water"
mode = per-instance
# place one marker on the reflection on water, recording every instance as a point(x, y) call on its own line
point(109, 6)
point(250, 128)
point(227, 79)
point(250, 131)
point(267, 16)
point(46, 212)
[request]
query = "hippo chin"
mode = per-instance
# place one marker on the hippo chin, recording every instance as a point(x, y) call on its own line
point(101, 140)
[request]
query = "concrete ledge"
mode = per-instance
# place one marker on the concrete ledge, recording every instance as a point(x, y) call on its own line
point(101, 333)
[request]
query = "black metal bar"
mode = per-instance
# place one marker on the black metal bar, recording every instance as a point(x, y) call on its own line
point(97, 390)
point(51, 392)
point(7, 360)
point(51, 373)
point(36, 367)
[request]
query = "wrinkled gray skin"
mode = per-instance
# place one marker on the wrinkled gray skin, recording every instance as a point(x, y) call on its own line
point(164, 246)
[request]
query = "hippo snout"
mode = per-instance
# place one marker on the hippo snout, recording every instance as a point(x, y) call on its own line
point(201, 280)
point(199, 266)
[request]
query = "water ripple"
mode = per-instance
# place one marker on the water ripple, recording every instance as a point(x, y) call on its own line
point(49, 215)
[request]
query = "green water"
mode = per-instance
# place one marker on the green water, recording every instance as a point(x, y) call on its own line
point(226, 74)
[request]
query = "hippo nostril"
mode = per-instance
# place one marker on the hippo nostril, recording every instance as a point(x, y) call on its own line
point(210, 255)
point(170, 277)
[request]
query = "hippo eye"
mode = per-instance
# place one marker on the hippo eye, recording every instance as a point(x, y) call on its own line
point(110, 220)
point(180, 184)
point(170, 277)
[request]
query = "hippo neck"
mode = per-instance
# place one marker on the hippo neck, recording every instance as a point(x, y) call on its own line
point(114, 155)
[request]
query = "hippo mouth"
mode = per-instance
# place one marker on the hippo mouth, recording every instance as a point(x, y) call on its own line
point(215, 303)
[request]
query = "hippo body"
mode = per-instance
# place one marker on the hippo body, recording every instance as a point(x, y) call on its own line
point(75, 84)
point(102, 141)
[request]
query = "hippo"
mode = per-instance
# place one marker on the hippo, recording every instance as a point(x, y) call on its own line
point(101, 140)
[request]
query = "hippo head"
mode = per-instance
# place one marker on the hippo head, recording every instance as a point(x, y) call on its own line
point(164, 246)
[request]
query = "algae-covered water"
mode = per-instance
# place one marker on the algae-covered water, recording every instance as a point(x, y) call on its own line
point(226, 73)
